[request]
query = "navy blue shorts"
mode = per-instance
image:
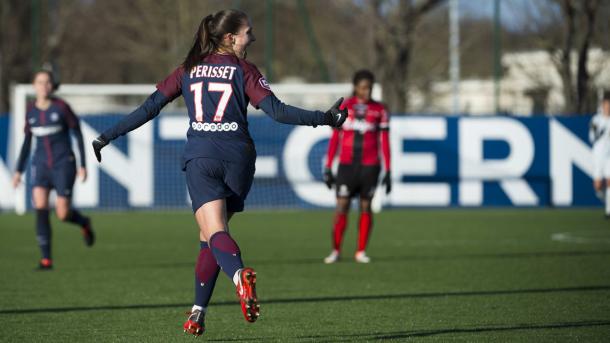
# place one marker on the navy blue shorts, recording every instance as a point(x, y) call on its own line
point(211, 179)
point(59, 177)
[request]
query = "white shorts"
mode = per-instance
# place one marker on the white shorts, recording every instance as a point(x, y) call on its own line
point(601, 167)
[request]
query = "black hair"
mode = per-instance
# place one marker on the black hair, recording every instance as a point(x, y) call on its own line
point(606, 96)
point(363, 74)
point(208, 37)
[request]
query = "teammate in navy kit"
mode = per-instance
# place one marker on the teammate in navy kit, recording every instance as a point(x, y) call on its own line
point(366, 130)
point(51, 120)
point(217, 83)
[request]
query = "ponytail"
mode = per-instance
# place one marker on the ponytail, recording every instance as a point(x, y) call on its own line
point(209, 35)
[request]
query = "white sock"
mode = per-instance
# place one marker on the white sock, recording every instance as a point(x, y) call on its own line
point(198, 308)
point(236, 277)
point(607, 200)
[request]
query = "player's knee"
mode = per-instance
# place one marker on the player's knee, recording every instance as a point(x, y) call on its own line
point(62, 214)
point(365, 205)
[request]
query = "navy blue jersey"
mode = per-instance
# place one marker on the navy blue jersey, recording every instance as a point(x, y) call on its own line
point(51, 128)
point(217, 93)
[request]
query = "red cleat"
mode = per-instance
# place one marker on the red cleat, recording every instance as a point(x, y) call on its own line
point(246, 291)
point(45, 264)
point(194, 324)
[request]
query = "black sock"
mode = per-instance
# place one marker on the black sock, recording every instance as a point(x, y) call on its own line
point(77, 218)
point(43, 232)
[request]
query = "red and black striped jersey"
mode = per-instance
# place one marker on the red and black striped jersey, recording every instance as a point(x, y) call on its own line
point(361, 136)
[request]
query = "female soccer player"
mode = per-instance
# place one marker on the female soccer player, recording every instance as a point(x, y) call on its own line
point(366, 128)
point(51, 120)
point(599, 135)
point(217, 84)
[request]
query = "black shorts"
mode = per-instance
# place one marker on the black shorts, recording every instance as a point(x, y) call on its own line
point(60, 177)
point(209, 179)
point(356, 179)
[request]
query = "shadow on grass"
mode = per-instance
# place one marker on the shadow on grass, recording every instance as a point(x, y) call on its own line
point(380, 336)
point(405, 258)
point(315, 299)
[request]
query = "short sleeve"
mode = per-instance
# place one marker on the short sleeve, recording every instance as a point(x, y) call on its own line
point(171, 87)
point(256, 86)
point(384, 120)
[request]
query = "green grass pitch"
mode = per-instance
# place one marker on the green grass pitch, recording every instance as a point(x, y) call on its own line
point(436, 275)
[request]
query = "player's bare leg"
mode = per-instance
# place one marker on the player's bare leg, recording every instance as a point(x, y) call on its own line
point(365, 226)
point(65, 213)
point(339, 226)
point(598, 185)
point(213, 218)
point(40, 196)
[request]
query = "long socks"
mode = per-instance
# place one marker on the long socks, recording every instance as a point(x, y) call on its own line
point(75, 217)
point(339, 230)
point(206, 273)
point(227, 254)
point(43, 232)
point(366, 224)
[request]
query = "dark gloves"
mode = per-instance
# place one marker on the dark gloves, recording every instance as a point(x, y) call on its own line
point(387, 182)
point(98, 144)
point(329, 179)
point(334, 116)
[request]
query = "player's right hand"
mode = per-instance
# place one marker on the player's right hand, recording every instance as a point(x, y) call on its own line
point(98, 144)
point(16, 179)
point(336, 117)
point(329, 179)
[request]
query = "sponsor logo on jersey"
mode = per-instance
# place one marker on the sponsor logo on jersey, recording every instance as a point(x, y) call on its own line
point(214, 127)
point(263, 82)
point(41, 131)
point(359, 125)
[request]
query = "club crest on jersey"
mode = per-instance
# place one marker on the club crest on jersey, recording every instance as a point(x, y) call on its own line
point(263, 82)
point(360, 110)
point(54, 116)
point(32, 121)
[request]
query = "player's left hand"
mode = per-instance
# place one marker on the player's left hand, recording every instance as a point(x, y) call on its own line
point(329, 179)
point(336, 117)
point(82, 174)
point(98, 144)
point(387, 182)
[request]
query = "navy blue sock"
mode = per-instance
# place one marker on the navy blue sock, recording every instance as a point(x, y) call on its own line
point(226, 252)
point(206, 273)
point(77, 218)
point(43, 232)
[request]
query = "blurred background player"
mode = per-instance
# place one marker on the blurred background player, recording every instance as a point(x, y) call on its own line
point(217, 84)
point(599, 135)
point(53, 166)
point(365, 130)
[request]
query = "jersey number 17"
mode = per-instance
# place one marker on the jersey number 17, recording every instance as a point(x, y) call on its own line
point(224, 88)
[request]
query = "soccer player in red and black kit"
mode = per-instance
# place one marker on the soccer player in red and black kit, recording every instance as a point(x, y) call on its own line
point(53, 166)
point(217, 83)
point(365, 130)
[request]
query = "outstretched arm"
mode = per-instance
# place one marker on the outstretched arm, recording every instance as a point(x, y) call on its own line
point(287, 114)
point(143, 114)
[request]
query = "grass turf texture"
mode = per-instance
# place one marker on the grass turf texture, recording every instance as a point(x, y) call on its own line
point(437, 275)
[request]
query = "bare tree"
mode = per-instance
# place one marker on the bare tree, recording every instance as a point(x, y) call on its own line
point(393, 37)
point(566, 30)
